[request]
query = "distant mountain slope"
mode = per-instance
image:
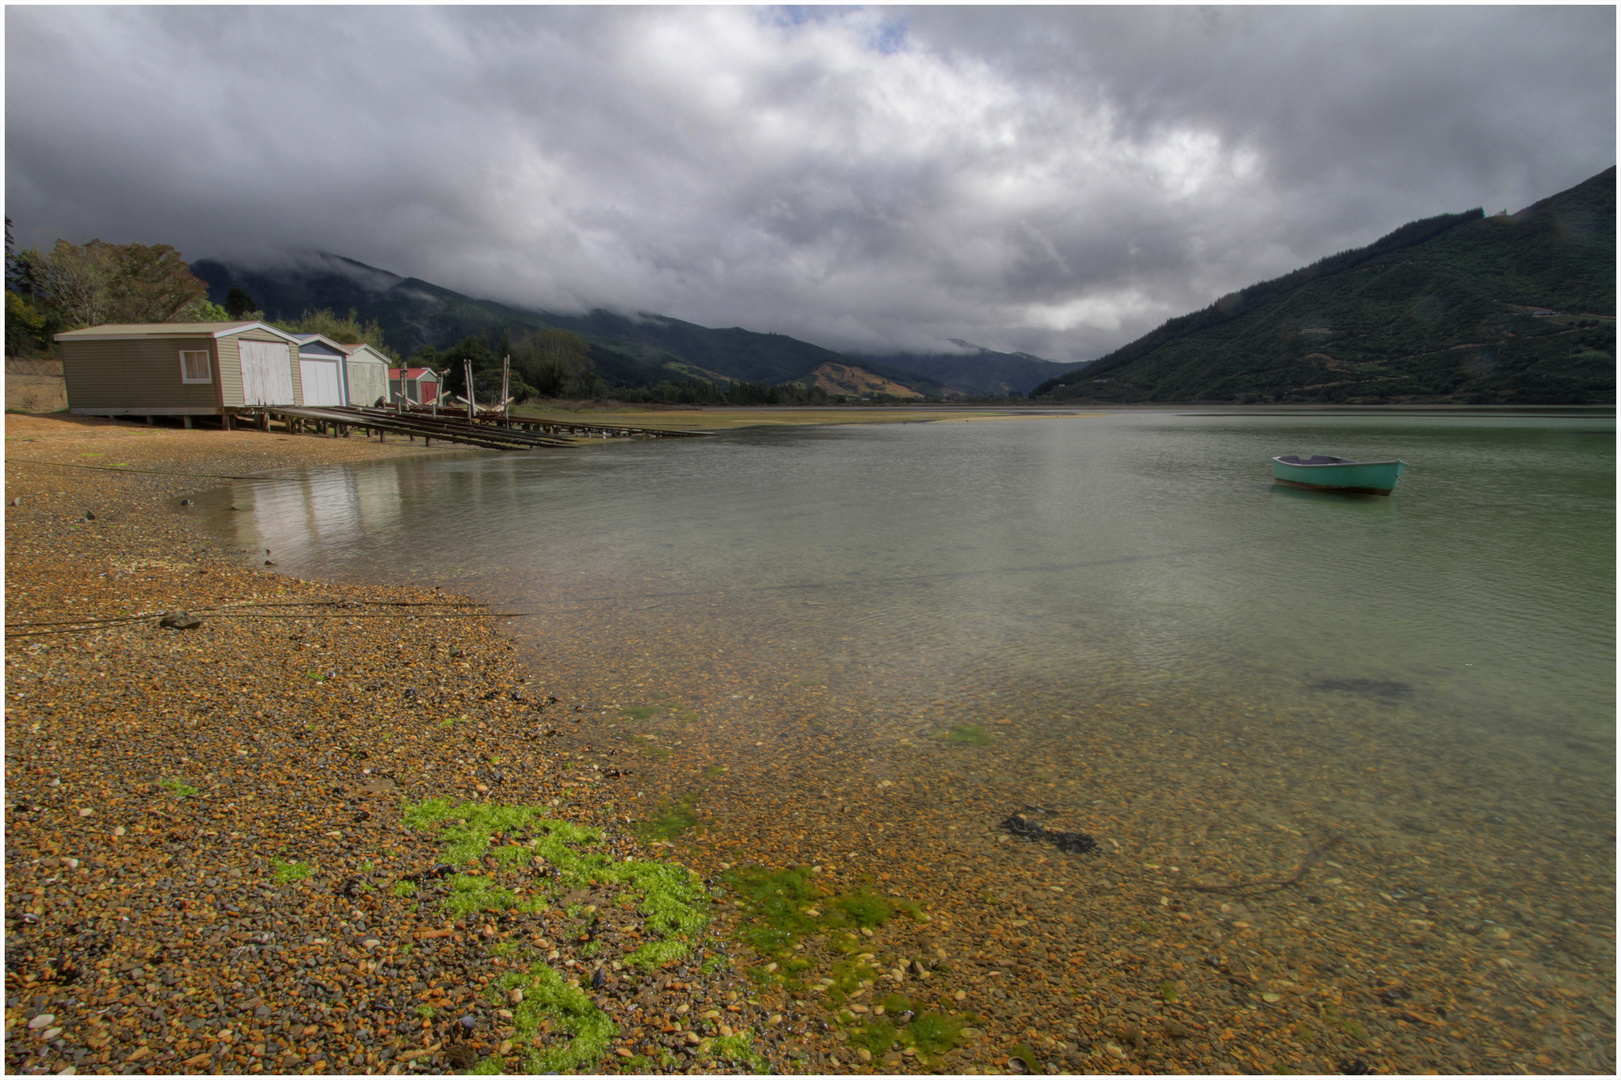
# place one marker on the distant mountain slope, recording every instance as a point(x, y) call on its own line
point(638, 351)
point(980, 371)
point(732, 352)
point(1508, 309)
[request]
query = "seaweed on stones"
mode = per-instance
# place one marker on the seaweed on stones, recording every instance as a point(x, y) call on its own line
point(1070, 843)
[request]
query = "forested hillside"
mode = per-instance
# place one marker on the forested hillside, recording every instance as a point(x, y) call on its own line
point(612, 353)
point(1514, 308)
point(978, 370)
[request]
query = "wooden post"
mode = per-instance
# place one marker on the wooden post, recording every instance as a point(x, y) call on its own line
point(472, 409)
point(506, 402)
point(185, 421)
point(225, 421)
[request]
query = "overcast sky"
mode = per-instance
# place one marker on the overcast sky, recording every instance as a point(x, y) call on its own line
point(1058, 180)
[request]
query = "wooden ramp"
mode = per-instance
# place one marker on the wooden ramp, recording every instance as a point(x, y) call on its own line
point(489, 433)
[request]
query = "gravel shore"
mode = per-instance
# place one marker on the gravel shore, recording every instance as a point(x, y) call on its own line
point(212, 863)
point(274, 841)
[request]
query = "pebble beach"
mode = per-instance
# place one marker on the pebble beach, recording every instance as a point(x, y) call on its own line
point(208, 866)
point(271, 842)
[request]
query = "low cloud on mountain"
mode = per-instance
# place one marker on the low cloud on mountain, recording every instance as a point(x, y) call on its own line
point(1052, 180)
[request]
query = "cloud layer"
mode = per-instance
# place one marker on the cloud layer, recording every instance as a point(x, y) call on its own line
point(1056, 180)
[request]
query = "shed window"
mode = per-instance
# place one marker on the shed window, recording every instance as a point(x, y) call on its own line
point(194, 367)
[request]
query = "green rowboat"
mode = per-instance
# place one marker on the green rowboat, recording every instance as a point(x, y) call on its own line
point(1322, 473)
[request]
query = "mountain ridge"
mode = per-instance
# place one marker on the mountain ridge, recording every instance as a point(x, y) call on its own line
point(640, 350)
point(1511, 309)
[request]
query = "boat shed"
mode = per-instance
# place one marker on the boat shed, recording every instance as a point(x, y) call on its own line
point(421, 384)
point(320, 364)
point(365, 375)
point(179, 369)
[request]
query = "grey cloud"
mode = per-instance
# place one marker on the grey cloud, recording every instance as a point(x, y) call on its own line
point(1057, 180)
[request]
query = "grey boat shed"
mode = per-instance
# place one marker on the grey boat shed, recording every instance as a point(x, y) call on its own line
point(180, 369)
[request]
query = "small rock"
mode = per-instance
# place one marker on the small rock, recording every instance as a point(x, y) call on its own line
point(88, 516)
point(180, 620)
point(43, 1020)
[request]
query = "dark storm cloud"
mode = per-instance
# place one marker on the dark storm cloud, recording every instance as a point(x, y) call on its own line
point(1052, 179)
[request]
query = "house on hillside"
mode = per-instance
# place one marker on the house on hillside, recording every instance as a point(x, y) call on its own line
point(421, 384)
point(365, 375)
point(320, 363)
point(179, 369)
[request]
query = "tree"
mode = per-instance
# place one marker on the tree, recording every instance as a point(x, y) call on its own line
point(554, 362)
point(239, 305)
point(25, 327)
point(205, 310)
point(100, 283)
point(344, 330)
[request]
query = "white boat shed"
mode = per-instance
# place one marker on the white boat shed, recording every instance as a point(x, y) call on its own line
point(320, 363)
point(365, 375)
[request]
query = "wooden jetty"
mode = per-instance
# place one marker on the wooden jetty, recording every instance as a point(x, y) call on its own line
point(489, 432)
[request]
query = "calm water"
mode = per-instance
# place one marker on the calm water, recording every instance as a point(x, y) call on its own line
point(1151, 546)
point(1209, 672)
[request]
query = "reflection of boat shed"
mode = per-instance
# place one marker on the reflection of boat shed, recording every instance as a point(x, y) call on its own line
point(365, 375)
point(179, 369)
point(421, 384)
point(320, 362)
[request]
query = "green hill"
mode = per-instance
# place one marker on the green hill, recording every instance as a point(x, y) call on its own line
point(1511, 309)
point(627, 352)
point(980, 371)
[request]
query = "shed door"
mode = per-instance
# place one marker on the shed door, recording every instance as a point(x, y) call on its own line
point(267, 373)
point(320, 382)
point(367, 383)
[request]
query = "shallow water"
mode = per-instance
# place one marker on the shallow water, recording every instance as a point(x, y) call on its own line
point(1157, 643)
point(1153, 544)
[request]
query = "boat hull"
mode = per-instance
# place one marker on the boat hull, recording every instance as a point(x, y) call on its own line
point(1348, 477)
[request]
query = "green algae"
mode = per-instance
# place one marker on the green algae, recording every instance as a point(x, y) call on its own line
point(558, 1022)
point(967, 735)
point(670, 820)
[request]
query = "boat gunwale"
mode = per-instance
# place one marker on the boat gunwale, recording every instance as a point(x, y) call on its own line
point(1338, 463)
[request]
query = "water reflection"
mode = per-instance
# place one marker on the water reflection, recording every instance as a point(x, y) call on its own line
point(332, 508)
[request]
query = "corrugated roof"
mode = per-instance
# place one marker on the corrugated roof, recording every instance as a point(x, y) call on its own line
point(174, 329)
point(322, 338)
